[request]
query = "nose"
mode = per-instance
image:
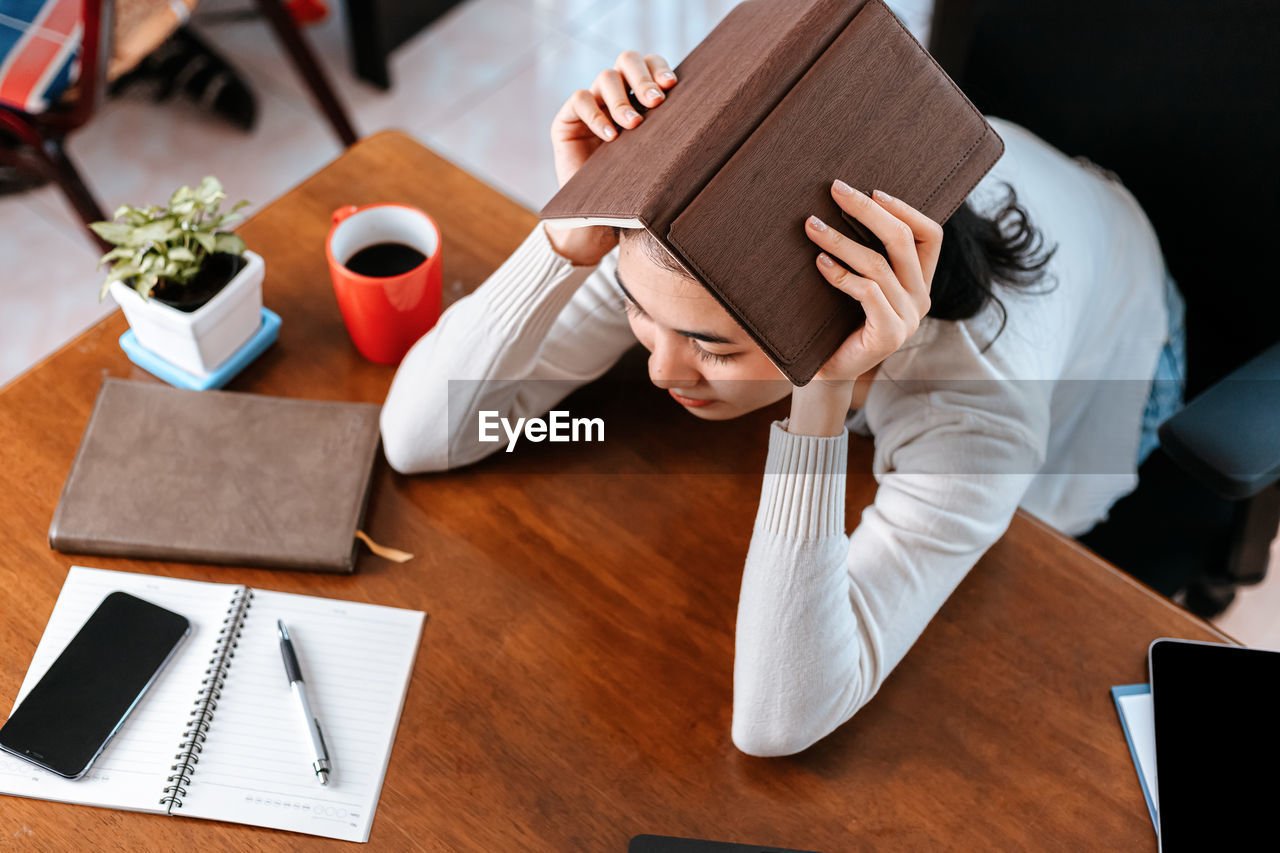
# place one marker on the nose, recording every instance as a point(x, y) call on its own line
point(669, 363)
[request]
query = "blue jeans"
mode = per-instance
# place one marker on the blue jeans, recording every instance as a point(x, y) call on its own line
point(1170, 379)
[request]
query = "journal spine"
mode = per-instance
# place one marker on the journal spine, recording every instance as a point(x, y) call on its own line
point(206, 703)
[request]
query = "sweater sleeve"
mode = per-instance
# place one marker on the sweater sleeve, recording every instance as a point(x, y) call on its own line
point(823, 617)
point(535, 330)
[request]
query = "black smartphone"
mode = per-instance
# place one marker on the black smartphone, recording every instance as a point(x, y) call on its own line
point(73, 711)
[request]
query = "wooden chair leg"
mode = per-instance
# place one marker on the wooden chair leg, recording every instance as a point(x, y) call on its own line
point(52, 155)
point(305, 63)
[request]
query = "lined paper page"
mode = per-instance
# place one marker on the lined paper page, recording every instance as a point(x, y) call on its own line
point(356, 661)
point(130, 773)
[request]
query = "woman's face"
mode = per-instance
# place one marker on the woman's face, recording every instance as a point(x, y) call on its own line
point(696, 351)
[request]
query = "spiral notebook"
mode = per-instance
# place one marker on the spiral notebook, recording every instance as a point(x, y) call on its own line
point(235, 752)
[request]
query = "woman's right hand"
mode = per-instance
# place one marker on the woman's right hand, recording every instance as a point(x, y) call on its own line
point(591, 118)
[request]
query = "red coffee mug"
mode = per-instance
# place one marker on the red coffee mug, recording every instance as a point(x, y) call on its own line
point(385, 315)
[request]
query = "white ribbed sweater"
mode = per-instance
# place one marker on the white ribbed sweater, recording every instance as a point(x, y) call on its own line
point(1051, 423)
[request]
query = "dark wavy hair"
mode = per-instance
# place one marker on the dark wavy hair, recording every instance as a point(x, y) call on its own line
point(979, 254)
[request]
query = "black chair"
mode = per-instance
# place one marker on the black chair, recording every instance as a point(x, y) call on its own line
point(1179, 99)
point(378, 27)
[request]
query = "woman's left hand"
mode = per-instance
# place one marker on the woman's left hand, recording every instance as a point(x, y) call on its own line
point(894, 293)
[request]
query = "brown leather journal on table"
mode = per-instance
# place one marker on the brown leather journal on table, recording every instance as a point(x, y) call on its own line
point(218, 477)
point(779, 100)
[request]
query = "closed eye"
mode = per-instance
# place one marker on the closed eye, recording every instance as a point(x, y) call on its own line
point(633, 306)
point(712, 357)
point(633, 310)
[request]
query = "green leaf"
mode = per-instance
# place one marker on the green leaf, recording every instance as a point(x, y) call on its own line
point(205, 239)
point(181, 195)
point(178, 253)
point(209, 191)
point(145, 284)
point(230, 243)
point(116, 233)
point(153, 232)
point(120, 272)
point(114, 255)
point(227, 219)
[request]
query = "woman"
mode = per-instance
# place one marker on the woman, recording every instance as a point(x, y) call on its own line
point(1022, 370)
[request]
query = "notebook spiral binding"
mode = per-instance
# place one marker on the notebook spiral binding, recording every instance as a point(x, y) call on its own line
point(206, 703)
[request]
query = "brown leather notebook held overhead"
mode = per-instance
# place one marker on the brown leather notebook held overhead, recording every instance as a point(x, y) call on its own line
point(778, 101)
point(218, 477)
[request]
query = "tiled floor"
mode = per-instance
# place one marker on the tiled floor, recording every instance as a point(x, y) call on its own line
point(479, 86)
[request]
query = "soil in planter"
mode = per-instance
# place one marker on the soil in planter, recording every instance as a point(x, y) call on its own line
point(217, 270)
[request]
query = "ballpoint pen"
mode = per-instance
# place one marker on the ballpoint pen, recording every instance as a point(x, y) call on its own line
point(294, 673)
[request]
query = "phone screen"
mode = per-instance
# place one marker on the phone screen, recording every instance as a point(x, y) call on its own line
point(71, 713)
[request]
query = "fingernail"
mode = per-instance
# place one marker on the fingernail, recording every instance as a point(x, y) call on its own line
point(825, 260)
point(666, 75)
point(654, 93)
point(843, 188)
point(630, 114)
point(610, 133)
point(817, 223)
point(880, 195)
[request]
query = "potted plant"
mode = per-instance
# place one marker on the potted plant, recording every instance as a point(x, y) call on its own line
point(191, 290)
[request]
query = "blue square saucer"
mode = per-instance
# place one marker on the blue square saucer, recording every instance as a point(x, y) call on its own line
point(176, 376)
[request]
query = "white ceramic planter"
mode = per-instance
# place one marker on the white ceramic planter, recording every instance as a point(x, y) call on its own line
point(200, 341)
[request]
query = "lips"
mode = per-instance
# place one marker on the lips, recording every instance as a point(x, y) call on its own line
point(692, 402)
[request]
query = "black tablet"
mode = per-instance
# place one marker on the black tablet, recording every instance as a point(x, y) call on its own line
point(1217, 724)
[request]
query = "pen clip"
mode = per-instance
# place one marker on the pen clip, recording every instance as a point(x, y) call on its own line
point(292, 670)
point(324, 747)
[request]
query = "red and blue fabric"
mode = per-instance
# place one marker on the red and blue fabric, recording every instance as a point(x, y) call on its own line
point(39, 51)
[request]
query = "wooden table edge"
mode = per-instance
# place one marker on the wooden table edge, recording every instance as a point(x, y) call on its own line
point(1125, 577)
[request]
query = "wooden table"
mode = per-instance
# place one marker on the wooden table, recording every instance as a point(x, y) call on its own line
point(574, 683)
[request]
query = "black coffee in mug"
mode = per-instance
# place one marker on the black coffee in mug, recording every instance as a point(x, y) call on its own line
point(382, 260)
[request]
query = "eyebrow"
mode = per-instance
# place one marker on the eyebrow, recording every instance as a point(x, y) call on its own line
point(698, 336)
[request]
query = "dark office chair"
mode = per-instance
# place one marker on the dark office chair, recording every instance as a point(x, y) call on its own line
point(1179, 99)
